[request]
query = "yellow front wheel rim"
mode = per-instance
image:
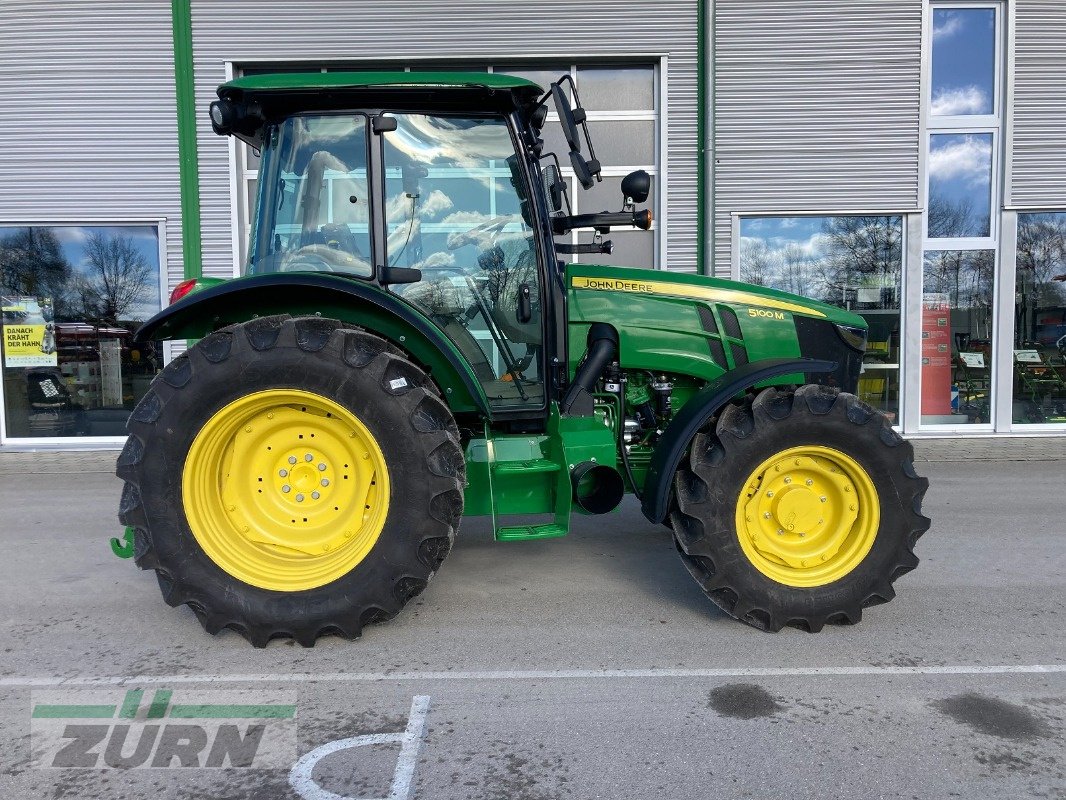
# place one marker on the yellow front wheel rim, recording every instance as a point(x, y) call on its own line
point(285, 490)
point(807, 516)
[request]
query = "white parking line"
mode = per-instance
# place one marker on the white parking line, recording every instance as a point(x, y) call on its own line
point(410, 739)
point(526, 675)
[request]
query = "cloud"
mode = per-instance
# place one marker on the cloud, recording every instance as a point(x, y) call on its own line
point(967, 159)
point(967, 100)
point(951, 23)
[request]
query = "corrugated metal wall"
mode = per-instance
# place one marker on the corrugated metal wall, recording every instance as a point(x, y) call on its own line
point(816, 108)
point(406, 31)
point(1039, 167)
point(87, 105)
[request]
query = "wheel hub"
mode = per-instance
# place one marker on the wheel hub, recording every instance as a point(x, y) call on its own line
point(808, 516)
point(288, 489)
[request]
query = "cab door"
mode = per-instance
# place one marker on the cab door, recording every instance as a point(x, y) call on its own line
point(456, 209)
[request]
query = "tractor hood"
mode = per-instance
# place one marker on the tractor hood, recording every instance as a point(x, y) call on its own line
point(699, 326)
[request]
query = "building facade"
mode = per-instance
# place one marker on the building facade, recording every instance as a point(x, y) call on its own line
point(903, 159)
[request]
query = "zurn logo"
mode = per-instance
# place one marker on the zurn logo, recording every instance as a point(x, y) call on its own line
point(162, 728)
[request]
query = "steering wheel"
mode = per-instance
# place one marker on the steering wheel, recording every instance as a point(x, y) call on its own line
point(323, 258)
point(494, 225)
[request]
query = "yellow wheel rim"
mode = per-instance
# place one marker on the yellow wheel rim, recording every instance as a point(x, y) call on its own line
point(807, 516)
point(285, 490)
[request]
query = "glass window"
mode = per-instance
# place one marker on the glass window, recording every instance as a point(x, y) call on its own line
point(1039, 360)
point(960, 185)
point(72, 297)
point(457, 210)
point(964, 58)
point(320, 218)
point(623, 88)
point(850, 261)
point(957, 329)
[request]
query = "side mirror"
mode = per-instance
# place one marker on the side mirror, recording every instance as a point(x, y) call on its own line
point(584, 170)
point(636, 186)
point(568, 118)
point(553, 186)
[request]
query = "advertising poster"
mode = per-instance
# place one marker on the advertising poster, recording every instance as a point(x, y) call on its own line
point(936, 354)
point(29, 333)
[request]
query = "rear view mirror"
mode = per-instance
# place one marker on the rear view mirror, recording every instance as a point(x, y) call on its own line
point(636, 186)
point(568, 118)
point(553, 186)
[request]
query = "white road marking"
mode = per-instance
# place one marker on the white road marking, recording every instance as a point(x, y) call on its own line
point(528, 674)
point(410, 741)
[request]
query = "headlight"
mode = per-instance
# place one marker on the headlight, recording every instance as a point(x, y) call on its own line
point(853, 337)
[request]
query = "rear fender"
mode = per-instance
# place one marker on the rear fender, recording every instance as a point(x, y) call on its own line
point(697, 412)
point(334, 297)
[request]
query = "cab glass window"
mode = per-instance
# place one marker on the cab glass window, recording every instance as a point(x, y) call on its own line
point(313, 211)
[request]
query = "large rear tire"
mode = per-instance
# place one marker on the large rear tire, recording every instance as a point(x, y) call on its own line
point(292, 478)
point(800, 508)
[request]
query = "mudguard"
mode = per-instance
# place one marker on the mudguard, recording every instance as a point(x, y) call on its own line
point(697, 412)
point(335, 297)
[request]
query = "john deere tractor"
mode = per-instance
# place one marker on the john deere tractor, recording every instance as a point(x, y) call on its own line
point(407, 346)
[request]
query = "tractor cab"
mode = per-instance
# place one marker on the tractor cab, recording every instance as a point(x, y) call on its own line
point(427, 186)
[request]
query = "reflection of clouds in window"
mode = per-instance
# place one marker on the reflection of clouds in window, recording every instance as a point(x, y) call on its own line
point(966, 159)
point(829, 258)
point(398, 207)
point(945, 24)
point(459, 142)
point(966, 100)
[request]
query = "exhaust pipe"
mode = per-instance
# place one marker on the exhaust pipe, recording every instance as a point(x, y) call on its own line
point(597, 488)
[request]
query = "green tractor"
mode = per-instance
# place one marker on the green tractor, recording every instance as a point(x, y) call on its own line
point(406, 347)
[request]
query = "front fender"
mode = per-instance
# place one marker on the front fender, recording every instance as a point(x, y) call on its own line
point(697, 412)
point(335, 297)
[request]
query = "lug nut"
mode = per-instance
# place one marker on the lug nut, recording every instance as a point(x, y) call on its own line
point(321, 467)
point(770, 494)
point(788, 479)
point(309, 457)
point(325, 481)
point(286, 488)
point(315, 495)
point(780, 532)
point(822, 498)
point(809, 482)
point(292, 459)
point(283, 473)
point(299, 498)
point(766, 515)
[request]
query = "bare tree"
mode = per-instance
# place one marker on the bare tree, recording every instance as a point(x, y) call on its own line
point(861, 252)
point(118, 277)
point(757, 262)
point(32, 263)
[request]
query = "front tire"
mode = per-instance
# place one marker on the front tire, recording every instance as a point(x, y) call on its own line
point(800, 508)
point(292, 478)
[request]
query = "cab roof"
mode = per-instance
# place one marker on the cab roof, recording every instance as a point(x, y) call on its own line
point(311, 81)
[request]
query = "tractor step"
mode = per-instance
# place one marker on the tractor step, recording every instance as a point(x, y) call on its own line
point(524, 467)
point(517, 533)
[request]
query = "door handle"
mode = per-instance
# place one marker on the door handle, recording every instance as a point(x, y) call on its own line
point(524, 312)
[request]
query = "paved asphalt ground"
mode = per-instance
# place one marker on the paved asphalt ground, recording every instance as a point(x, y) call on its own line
point(587, 667)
